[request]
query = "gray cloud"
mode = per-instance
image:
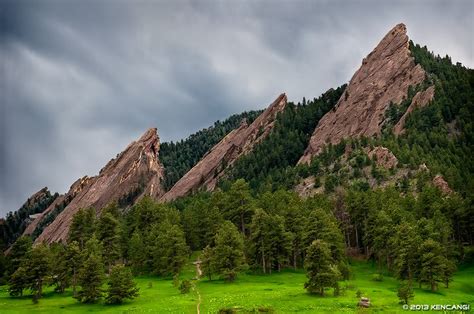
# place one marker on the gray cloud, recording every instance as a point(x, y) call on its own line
point(81, 79)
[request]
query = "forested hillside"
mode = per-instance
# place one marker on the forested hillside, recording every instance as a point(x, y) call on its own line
point(270, 164)
point(442, 133)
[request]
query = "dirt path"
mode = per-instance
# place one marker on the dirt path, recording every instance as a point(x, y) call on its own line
point(198, 276)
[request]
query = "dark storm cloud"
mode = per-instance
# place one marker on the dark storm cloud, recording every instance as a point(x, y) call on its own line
point(81, 79)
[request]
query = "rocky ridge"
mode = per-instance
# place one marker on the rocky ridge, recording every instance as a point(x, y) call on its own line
point(206, 173)
point(135, 169)
point(383, 78)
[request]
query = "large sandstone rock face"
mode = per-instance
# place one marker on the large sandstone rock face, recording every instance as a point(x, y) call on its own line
point(206, 173)
point(65, 199)
point(421, 99)
point(137, 167)
point(384, 77)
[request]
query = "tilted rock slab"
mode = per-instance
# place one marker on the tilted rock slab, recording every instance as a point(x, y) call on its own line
point(137, 165)
point(75, 189)
point(384, 77)
point(206, 173)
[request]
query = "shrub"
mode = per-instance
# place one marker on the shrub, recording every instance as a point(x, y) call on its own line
point(185, 286)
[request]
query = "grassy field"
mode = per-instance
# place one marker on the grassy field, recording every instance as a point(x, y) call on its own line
point(281, 292)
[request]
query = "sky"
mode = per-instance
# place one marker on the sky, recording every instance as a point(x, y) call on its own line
point(79, 80)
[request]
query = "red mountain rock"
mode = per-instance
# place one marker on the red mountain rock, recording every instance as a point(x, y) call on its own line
point(135, 169)
point(384, 77)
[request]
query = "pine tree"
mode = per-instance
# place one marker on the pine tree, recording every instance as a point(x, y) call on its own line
point(73, 259)
point(320, 271)
point(238, 206)
point(121, 285)
point(38, 269)
point(137, 252)
point(91, 274)
point(406, 241)
point(405, 292)
point(228, 252)
point(170, 251)
point(91, 278)
point(432, 264)
point(108, 232)
point(18, 282)
point(82, 226)
point(207, 262)
point(61, 274)
point(19, 252)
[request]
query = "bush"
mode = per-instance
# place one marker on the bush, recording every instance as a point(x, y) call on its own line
point(185, 286)
point(377, 277)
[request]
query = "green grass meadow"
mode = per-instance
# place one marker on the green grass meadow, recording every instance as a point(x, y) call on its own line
point(280, 292)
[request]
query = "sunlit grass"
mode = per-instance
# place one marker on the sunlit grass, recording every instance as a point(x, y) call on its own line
point(282, 292)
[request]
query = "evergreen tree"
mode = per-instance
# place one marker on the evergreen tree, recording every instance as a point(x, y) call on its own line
point(432, 264)
point(270, 241)
point(137, 252)
point(18, 282)
point(82, 226)
point(91, 275)
point(170, 251)
point(238, 207)
point(19, 251)
point(38, 269)
point(121, 285)
point(61, 274)
point(207, 262)
point(91, 278)
point(228, 252)
point(108, 232)
point(73, 261)
point(406, 242)
point(319, 269)
point(405, 292)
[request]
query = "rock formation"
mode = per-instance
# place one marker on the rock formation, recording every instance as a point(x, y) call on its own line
point(421, 99)
point(63, 200)
point(384, 77)
point(441, 184)
point(136, 170)
point(205, 174)
point(383, 157)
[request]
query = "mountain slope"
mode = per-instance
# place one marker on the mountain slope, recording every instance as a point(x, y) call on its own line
point(240, 141)
point(384, 78)
point(178, 158)
point(136, 171)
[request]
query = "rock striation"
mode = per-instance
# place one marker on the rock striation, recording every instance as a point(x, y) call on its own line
point(136, 170)
point(206, 173)
point(383, 78)
point(421, 99)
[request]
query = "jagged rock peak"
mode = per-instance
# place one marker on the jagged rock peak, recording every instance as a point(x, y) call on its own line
point(206, 173)
point(384, 77)
point(133, 173)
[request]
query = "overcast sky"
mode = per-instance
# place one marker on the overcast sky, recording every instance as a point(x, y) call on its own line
point(80, 80)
